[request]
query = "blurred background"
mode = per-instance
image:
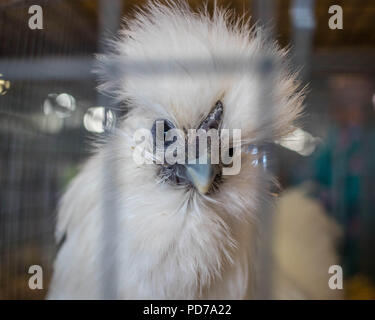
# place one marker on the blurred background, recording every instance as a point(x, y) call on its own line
point(50, 111)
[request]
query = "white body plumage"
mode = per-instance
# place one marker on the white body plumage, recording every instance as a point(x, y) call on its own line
point(169, 242)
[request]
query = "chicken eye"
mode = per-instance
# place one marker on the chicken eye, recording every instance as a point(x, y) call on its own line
point(159, 131)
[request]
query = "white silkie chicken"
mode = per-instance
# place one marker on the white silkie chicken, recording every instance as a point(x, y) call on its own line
point(144, 231)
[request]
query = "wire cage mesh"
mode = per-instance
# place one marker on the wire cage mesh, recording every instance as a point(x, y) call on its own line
point(48, 89)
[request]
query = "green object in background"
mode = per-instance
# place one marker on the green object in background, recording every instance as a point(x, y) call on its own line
point(344, 168)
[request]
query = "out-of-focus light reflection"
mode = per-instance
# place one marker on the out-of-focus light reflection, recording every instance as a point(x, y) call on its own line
point(4, 86)
point(254, 151)
point(299, 141)
point(373, 101)
point(56, 108)
point(260, 156)
point(61, 104)
point(98, 119)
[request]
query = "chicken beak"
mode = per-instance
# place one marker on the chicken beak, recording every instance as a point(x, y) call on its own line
point(201, 175)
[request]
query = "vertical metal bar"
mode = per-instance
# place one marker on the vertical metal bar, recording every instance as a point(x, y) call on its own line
point(109, 23)
point(265, 13)
point(268, 74)
point(303, 23)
